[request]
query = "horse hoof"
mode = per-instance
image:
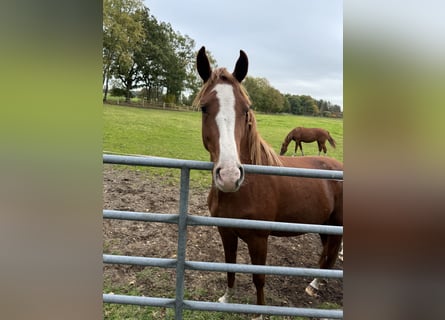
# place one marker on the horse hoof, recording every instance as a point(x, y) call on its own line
point(311, 291)
point(258, 318)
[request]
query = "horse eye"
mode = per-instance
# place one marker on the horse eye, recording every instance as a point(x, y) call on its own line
point(204, 109)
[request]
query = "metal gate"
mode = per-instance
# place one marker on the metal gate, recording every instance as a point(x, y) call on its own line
point(184, 219)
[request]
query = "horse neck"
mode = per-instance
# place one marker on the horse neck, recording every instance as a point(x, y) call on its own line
point(289, 137)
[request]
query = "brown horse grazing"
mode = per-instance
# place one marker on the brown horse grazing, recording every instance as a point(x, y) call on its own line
point(301, 134)
point(229, 133)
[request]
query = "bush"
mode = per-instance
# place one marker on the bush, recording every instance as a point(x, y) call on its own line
point(117, 92)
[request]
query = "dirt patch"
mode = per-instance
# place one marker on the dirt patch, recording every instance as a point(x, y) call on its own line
point(142, 191)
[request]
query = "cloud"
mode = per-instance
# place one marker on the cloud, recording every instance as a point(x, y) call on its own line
point(296, 45)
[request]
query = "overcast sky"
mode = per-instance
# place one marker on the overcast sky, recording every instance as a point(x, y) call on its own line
point(297, 45)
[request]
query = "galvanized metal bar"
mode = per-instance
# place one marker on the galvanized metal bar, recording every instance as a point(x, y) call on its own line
point(294, 172)
point(277, 270)
point(157, 162)
point(223, 307)
point(139, 301)
point(141, 216)
point(202, 165)
point(265, 225)
point(224, 267)
point(139, 261)
point(257, 309)
point(182, 239)
point(194, 220)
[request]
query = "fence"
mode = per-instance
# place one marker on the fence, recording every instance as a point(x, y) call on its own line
point(183, 219)
point(148, 104)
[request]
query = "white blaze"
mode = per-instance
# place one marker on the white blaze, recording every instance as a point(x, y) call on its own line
point(227, 171)
point(225, 120)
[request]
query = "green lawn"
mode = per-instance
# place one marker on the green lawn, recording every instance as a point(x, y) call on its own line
point(151, 132)
point(175, 134)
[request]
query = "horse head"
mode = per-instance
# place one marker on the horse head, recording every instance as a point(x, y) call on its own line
point(283, 148)
point(225, 111)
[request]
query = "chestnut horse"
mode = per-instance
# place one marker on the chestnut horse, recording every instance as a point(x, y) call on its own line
point(301, 134)
point(229, 133)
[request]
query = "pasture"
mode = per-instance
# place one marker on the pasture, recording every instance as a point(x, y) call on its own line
point(174, 134)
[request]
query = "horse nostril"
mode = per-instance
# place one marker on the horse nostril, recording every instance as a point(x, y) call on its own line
point(217, 171)
point(241, 171)
point(241, 177)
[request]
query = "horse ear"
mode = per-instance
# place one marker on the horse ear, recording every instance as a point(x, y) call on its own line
point(241, 66)
point(203, 64)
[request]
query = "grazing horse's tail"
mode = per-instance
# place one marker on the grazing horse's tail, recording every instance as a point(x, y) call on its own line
point(331, 140)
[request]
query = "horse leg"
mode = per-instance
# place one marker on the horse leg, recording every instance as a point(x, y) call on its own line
point(230, 244)
point(331, 246)
point(319, 147)
point(331, 252)
point(258, 252)
point(301, 148)
point(324, 147)
point(313, 287)
point(296, 148)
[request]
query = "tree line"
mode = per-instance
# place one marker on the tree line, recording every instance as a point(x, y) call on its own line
point(146, 57)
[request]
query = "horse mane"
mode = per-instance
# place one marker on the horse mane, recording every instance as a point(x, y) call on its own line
point(288, 137)
point(261, 153)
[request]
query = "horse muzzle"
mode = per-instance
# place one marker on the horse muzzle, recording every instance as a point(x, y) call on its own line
point(228, 178)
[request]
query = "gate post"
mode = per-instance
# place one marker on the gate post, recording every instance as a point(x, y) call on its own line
point(182, 239)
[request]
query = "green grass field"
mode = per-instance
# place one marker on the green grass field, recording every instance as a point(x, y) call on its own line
point(178, 134)
point(174, 134)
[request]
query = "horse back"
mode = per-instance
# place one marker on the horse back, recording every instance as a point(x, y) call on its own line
point(310, 200)
point(309, 134)
point(312, 162)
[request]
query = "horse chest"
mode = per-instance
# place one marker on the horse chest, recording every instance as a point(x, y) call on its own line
point(243, 204)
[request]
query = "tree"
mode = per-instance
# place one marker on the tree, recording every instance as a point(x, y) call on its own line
point(309, 105)
point(140, 51)
point(264, 97)
point(305, 104)
point(294, 104)
point(166, 60)
point(151, 59)
point(336, 111)
point(286, 104)
point(122, 33)
point(323, 106)
point(180, 63)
